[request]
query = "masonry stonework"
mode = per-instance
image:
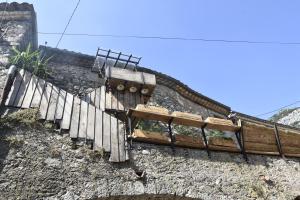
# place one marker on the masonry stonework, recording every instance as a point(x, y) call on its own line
point(18, 28)
point(41, 163)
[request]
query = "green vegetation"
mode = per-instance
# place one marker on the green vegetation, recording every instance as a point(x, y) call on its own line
point(282, 113)
point(155, 126)
point(14, 142)
point(30, 60)
point(150, 125)
point(27, 117)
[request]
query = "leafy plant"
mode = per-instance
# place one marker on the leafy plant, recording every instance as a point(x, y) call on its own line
point(30, 60)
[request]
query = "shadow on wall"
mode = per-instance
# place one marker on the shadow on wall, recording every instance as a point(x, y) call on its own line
point(201, 154)
point(146, 197)
point(4, 149)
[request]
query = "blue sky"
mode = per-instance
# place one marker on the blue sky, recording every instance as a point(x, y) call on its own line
point(250, 78)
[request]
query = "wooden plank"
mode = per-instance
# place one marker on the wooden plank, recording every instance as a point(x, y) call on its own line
point(30, 92)
point(221, 124)
point(22, 90)
point(91, 122)
point(151, 137)
point(15, 88)
point(75, 118)
point(106, 132)
point(66, 120)
point(92, 97)
point(52, 104)
point(102, 98)
point(258, 133)
point(126, 100)
point(121, 134)
point(36, 100)
point(97, 97)
point(108, 100)
point(137, 98)
point(114, 100)
point(114, 153)
point(132, 103)
point(289, 138)
point(120, 100)
point(60, 104)
point(83, 119)
point(132, 76)
point(45, 100)
point(150, 115)
point(98, 141)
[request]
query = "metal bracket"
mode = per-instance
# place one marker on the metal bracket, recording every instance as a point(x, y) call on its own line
point(278, 142)
point(205, 140)
point(172, 137)
point(240, 138)
point(130, 131)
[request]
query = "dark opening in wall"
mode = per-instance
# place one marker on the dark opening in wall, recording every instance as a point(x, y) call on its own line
point(146, 197)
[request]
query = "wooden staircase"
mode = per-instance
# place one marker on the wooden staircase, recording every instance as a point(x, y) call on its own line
point(83, 118)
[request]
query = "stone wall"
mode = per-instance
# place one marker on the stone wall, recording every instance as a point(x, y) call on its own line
point(18, 28)
point(39, 163)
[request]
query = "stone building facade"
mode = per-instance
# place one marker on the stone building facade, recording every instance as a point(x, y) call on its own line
point(37, 162)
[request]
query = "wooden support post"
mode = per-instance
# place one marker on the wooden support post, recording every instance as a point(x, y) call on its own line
point(205, 140)
point(240, 138)
point(278, 142)
point(172, 137)
point(130, 131)
point(8, 83)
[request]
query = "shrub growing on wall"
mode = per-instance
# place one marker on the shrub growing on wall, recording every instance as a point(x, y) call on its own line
point(30, 60)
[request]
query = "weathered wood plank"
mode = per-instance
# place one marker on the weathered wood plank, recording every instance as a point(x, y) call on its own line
point(92, 97)
point(60, 104)
point(137, 98)
point(97, 97)
point(75, 118)
point(114, 153)
point(83, 119)
point(106, 132)
point(30, 92)
point(22, 90)
point(108, 100)
point(91, 122)
point(15, 88)
point(120, 100)
point(66, 120)
point(45, 100)
point(98, 141)
point(36, 100)
point(102, 98)
point(121, 134)
point(52, 104)
point(132, 76)
point(126, 100)
point(132, 103)
point(114, 100)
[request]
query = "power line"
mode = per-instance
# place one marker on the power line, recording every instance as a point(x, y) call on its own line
point(278, 109)
point(62, 34)
point(171, 38)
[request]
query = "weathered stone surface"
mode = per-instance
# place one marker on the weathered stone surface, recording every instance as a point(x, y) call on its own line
point(46, 166)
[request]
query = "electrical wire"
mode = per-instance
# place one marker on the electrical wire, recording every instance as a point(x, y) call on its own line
point(63, 33)
point(278, 109)
point(171, 38)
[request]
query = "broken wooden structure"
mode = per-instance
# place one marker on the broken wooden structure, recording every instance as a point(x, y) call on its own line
point(107, 117)
point(251, 137)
